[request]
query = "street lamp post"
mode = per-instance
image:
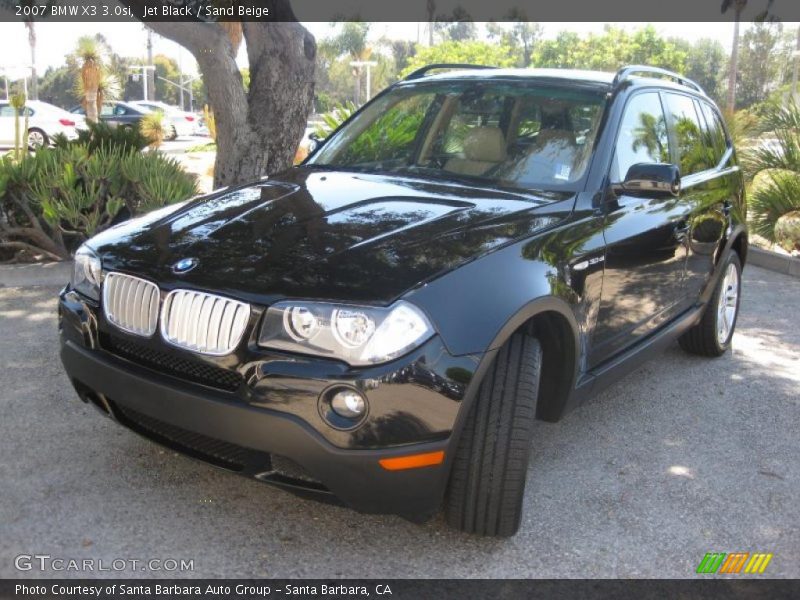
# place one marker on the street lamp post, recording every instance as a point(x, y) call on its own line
point(183, 87)
point(144, 69)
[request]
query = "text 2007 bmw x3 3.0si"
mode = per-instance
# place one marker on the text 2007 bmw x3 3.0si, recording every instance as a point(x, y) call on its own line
point(471, 251)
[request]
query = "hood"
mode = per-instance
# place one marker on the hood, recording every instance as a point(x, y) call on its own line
point(319, 234)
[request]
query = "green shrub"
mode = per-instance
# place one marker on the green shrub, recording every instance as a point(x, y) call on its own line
point(54, 200)
point(775, 169)
point(333, 119)
point(101, 134)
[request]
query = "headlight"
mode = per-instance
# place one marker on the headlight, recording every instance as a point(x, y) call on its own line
point(87, 274)
point(358, 335)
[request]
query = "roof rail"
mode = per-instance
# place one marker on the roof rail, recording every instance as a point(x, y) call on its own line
point(625, 72)
point(421, 72)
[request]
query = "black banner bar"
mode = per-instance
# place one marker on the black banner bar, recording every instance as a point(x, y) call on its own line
point(383, 10)
point(396, 589)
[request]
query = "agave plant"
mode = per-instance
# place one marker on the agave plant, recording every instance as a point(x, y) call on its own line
point(776, 192)
point(154, 128)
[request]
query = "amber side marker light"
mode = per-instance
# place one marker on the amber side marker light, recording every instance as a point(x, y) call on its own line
point(412, 461)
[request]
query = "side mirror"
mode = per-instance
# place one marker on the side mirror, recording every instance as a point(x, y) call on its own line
point(314, 143)
point(651, 179)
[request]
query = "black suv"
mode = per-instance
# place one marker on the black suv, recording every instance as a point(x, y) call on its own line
point(470, 252)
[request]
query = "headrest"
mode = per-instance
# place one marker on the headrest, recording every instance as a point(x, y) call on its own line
point(485, 144)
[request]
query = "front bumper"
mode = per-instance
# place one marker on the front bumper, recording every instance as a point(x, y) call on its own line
point(268, 432)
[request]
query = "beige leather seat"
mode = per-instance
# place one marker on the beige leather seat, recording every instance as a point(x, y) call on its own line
point(484, 148)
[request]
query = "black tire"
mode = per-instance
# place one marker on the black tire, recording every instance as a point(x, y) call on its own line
point(702, 339)
point(487, 481)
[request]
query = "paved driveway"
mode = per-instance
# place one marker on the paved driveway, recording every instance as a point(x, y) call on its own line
point(684, 457)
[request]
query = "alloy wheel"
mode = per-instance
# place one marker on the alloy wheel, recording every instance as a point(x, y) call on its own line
point(728, 304)
point(35, 139)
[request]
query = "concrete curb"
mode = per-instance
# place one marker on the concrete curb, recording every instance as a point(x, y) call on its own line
point(781, 263)
point(35, 274)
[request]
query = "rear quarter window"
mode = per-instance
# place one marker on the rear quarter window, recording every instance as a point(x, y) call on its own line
point(716, 131)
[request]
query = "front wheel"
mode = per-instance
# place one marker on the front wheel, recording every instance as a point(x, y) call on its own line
point(487, 483)
point(712, 335)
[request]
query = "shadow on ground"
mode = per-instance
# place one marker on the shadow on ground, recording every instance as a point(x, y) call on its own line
point(684, 457)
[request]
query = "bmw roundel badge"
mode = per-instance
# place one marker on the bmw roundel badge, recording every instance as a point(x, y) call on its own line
point(184, 265)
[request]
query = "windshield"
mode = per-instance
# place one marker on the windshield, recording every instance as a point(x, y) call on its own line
point(504, 134)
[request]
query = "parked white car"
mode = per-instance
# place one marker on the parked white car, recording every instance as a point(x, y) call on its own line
point(44, 121)
point(183, 123)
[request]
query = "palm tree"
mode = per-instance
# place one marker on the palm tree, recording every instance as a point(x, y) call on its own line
point(34, 91)
point(352, 40)
point(90, 58)
point(108, 88)
point(738, 6)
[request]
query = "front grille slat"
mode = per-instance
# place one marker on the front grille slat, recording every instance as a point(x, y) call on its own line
point(196, 321)
point(213, 330)
point(124, 303)
point(204, 323)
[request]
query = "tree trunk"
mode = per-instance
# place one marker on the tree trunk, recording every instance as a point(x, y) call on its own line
point(357, 91)
point(258, 132)
point(734, 67)
point(796, 67)
point(91, 104)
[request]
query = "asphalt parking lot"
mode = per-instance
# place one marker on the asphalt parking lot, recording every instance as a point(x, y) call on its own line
point(683, 457)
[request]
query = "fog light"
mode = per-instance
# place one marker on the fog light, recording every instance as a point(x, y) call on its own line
point(348, 404)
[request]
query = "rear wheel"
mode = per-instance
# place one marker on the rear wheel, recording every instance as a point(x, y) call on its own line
point(487, 482)
point(36, 138)
point(712, 335)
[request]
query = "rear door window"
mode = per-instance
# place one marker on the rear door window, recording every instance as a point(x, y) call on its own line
point(692, 148)
point(6, 110)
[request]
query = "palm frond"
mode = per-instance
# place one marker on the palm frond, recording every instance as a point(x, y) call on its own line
point(782, 124)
